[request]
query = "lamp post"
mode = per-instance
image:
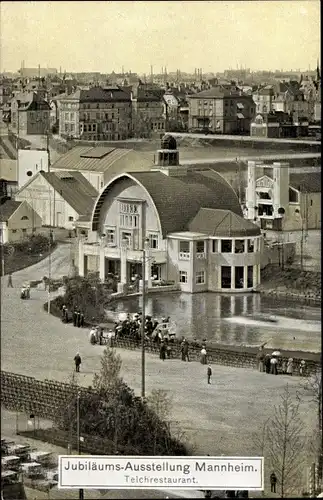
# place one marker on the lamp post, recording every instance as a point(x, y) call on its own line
point(144, 257)
point(81, 491)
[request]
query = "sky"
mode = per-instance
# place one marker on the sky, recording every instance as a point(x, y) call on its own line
point(106, 36)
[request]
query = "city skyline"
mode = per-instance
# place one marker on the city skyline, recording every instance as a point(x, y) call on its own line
point(108, 36)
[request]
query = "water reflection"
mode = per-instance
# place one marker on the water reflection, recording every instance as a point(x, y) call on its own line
point(221, 318)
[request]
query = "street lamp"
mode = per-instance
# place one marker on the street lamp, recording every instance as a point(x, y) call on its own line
point(81, 491)
point(144, 257)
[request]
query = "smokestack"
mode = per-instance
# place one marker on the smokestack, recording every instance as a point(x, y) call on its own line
point(151, 74)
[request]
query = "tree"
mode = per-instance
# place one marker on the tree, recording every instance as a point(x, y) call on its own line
point(111, 412)
point(285, 443)
point(141, 125)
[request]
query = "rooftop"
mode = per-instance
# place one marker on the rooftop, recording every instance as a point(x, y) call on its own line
point(98, 159)
point(8, 170)
point(223, 223)
point(7, 209)
point(306, 182)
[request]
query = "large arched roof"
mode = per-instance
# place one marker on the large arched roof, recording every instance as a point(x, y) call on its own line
point(178, 198)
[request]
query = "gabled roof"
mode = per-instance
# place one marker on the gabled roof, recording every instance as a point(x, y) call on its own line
point(309, 182)
point(223, 223)
point(8, 208)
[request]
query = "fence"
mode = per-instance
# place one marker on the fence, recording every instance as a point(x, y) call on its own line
point(216, 355)
point(29, 395)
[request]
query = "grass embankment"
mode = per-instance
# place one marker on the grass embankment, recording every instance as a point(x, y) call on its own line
point(25, 253)
point(303, 284)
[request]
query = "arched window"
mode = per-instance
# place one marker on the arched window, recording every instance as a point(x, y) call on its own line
point(24, 217)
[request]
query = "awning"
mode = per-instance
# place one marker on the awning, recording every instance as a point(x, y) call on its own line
point(240, 116)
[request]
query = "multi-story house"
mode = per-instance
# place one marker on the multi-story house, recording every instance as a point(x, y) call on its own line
point(96, 114)
point(263, 99)
point(220, 111)
point(148, 110)
point(29, 114)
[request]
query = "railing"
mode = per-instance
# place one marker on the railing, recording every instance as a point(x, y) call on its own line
point(201, 255)
point(184, 255)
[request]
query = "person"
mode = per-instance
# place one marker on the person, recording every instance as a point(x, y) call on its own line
point(267, 363)
point(273, 365)
point(75, 317)
point(290, 366)
point(63, 314)
point(261, 359)
point(284, 367)
point(209, 374)
point(273, 482)
point(77, 361)
point(302, 368)
point(185, 351)
point(78, 319)
point(82, 320)
point(10, 285)
point(203, 355)
point(162, 351)
point(66, 315)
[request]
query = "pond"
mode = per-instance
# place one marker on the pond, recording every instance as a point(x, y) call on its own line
point(234, 319)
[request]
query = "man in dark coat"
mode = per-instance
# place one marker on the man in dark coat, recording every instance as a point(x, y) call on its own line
point(75, 317)
point(185, 351)
point(66, 315)
point(10, 285)
point(273, 482)
point(78, 319)
point(77, 361)
point(267, 363)
point(209, 374)
point(162, 351)
point(82, 320)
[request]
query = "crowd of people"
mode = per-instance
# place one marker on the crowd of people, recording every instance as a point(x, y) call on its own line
point(77, 316)
point(274, 364)
point(132, 327)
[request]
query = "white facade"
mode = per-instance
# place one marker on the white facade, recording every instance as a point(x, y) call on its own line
point(48, 204)
point(194, 261)
point(30, 162)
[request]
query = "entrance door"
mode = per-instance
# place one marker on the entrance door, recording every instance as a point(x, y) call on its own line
point(59, 219)
point(156, 272)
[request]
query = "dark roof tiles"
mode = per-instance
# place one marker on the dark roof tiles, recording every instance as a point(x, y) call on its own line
point(308, 182)
point(223, 223)
point(7, 209)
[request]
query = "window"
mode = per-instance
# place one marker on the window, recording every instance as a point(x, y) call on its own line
point(200, 247)
point(126, 239)
point(250, 277)
point(24, 230)
point(71, 219)
point(214, 246)
point(24, 217)
point(238, 277)
point(67, 127)
point(311, 203)
point(200, 277)
point(14, 230)
point(293, 196)
point(226, 246)
point(94, 127)
point(184, 246)
point(183, 277)
point(67, 116)
point(112, 116)
point(225, 277)
point(131, 221)
point(84, 128)
point(89, 128)
point(72, 127)
point(72, 115)
point(111, 237)
point(239, 246)
point(153, 240)
point(251, 246)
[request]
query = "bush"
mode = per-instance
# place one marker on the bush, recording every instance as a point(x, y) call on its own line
point(33, 245)
point(111, 410)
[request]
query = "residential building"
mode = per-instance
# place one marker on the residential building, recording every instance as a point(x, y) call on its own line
point(221, 111)
point(96, 114)
point(279, 200)
point(100, 164)
point(148, 110)
point(278, 124)
point(263, 99)
point(29, 114)
point(8, 177)
point(17, 220)
point(59, 198)
point(190, 222)
point(29, 163)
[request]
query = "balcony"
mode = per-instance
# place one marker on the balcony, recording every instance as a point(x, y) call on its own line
point(201, 255)
point(184, 256)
